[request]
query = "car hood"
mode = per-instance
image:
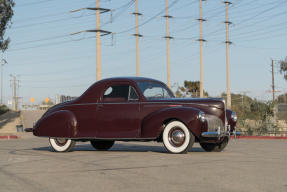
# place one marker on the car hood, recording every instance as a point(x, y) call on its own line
point(208, 102)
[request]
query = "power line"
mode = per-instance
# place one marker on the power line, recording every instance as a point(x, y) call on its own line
point(33, 3)
point(150, 19)
point(39, 40)
point(47, 22)
point(262, 12)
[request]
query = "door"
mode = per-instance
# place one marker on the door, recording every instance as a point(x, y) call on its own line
point(117, 114)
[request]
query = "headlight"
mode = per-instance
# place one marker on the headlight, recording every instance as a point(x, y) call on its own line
point(233, 116)
point(201, 116)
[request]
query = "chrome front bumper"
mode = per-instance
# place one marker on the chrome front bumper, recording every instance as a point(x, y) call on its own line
point(218, 134)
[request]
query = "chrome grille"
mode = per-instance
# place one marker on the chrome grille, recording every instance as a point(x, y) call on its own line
point(214, 123)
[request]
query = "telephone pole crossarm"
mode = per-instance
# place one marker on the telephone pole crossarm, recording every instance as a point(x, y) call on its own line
point(94, 31)
point(137, 13)
point(137, 35)
point(201, 19)
point(102, 10)
point(203, 40)
point(168, 37)
point(227, 2)
point(168, 16)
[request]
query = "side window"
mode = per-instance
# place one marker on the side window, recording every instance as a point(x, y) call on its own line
point(116, 93)
point(133, 96)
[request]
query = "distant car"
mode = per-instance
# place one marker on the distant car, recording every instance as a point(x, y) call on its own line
point(137, 109)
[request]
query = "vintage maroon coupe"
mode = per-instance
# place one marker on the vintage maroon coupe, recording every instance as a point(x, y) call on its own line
point(137, 109)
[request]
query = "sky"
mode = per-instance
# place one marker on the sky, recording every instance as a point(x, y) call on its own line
point(47, 60)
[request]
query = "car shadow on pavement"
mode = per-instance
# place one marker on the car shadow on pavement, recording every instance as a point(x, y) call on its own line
point(118, 147)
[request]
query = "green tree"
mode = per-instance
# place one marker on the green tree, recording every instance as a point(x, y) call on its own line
point(3, 109)
point(248, 108)
point(190, 88)
point(6, 13)
point(283, 68)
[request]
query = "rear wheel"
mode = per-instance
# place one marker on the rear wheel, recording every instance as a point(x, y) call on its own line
point(177, 138)
point(61, 144)
point(215, 147)
point(102, 145)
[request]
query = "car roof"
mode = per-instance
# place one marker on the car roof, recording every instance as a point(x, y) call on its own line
point(135, 79)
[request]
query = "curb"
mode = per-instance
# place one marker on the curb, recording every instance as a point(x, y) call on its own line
point(8, 137)
point(261, 137)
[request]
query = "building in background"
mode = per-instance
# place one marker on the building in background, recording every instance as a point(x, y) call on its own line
point(63, 98)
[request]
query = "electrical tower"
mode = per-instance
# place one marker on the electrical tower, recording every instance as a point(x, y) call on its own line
point(137, 35)
point(99, 33)
point(15, 86)
point(227, 42)
point(167, 37)
point(201, 40)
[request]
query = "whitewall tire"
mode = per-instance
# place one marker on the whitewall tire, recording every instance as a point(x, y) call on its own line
point(177, 138)
point(61, 144)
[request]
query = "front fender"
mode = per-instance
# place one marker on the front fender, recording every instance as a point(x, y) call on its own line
point(61, 123)
point(152, 125)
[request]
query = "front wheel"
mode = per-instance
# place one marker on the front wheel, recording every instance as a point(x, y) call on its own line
point(61, 144)
point(177, 138)
point(215, 147)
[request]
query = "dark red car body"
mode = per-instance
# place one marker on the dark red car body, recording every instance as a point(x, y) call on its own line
point(92, 117)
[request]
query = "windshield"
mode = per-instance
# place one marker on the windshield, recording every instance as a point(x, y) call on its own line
point(154, 90)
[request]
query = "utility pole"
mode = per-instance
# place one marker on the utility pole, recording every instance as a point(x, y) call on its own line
point(167, 37)
point(273, 91)
point(273, 82)
point(137, 35)
point(201, 40)
point(227, 42)
point(98, 32)
point(15, 85)
point(98, 42)
point(3, 62)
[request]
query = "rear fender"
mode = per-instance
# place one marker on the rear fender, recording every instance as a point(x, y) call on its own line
point(61, 123)
point(153, 124)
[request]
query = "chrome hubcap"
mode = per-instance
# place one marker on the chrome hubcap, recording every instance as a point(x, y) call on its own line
point(176, 137)
point(61, 142)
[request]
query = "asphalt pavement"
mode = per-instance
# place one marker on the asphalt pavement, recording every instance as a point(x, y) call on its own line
point(245, 165)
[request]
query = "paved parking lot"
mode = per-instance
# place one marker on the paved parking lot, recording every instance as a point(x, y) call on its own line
point(245, 165)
